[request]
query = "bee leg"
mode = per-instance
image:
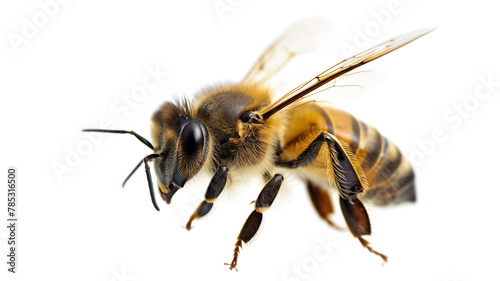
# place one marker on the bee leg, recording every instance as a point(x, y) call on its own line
point(322, 203)
point(213, 191)
point(349, 178)
point(320, 198)
point(307, 156)
point(358, 222)
point(252, 224)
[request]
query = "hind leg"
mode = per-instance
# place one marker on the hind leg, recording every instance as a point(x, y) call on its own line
point(322, 203)
point(349, 178)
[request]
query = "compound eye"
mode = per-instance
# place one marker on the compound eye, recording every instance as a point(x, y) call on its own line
point(191, 138)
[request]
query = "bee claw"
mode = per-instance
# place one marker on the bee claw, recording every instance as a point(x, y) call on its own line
point(231, 266)
point(188, 225)
point(334, 225)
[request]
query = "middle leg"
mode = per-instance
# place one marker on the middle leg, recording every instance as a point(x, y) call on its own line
point(252, 224)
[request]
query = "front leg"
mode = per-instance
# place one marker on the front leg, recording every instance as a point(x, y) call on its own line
point(252, 224)
point(213, 191)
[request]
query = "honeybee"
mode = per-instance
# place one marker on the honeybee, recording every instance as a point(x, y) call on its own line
point(245, 127)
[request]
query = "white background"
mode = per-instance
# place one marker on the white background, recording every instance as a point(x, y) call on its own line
point(73, 70)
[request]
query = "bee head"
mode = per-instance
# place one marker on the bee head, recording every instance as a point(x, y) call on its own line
point(182, 143)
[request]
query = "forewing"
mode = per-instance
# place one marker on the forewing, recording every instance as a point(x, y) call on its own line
point(347, 87)
point(328, 77)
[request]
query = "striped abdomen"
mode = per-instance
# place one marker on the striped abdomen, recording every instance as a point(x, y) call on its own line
point(390, 176)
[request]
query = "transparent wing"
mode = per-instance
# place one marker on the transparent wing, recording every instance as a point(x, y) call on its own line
point(300, 38)
point(330, 77)
point(347, 87)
